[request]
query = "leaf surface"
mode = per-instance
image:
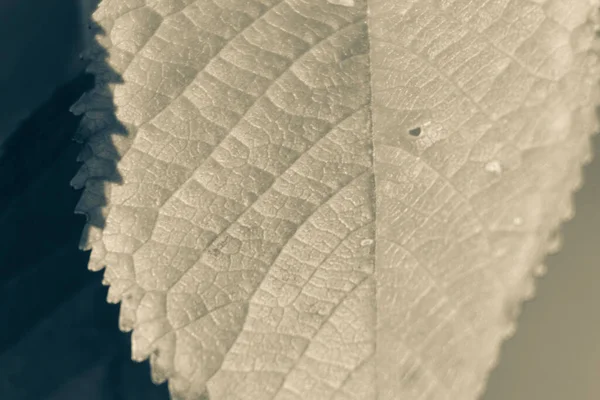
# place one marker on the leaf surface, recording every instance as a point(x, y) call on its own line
point(330, 200)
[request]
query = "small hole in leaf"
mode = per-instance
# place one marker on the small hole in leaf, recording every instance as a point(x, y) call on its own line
point(415, 131)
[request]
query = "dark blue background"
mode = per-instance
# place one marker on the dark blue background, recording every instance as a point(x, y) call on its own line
point(59, 339)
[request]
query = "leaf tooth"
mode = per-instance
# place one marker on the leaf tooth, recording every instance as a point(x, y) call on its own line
point(92, 198)
point(129, 304)
point(145, 335)
point(161, 359)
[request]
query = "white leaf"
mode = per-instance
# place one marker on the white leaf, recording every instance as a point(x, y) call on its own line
point(316, 202)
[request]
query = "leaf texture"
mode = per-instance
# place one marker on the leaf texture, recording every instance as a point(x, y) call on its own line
point(330, 200)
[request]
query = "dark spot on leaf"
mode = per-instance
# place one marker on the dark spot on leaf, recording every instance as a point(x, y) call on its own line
point(415, 131)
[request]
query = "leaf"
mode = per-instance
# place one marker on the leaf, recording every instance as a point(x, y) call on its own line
point(314, 201)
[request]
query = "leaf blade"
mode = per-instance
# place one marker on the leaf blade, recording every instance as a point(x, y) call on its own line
point(194, 235)
point(471, 203)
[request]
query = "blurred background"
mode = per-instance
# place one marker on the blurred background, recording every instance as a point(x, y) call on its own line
point(59, 338)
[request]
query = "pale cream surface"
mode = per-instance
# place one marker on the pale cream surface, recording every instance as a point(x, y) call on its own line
point(279, 234)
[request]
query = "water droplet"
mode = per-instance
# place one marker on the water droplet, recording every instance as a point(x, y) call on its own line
point(494, 166)
point(415, 131)
point(366, 242)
